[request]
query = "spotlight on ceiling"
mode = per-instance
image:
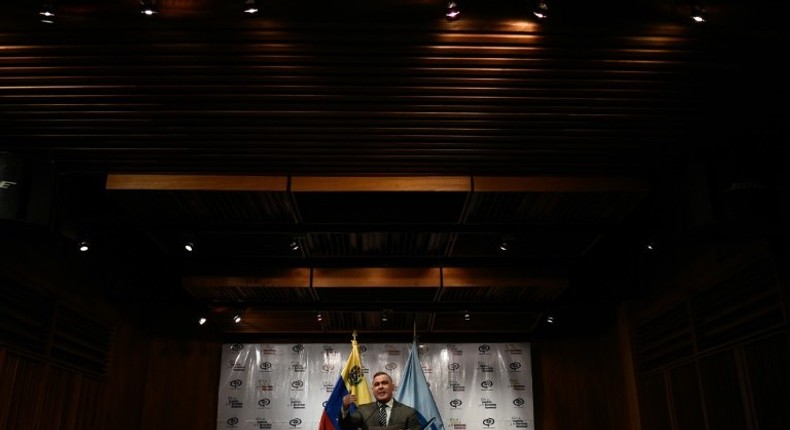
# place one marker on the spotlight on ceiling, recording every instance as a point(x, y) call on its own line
point(541, 9)
point(47, 13)
point(237, 317)
point(467, 316)
point(202, 320)
point(149, 7)
point(294, 245)
point(699, 13)
point(251, 7)
point(189, 246)
point(550, 319)
point(319, 317)
point(504, 246)
point(84, 246)
point(452, 12)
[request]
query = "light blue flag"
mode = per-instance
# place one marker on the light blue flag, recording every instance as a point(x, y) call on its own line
point(414, 391)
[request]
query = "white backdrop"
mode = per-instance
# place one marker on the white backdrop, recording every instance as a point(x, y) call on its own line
point(284, 386)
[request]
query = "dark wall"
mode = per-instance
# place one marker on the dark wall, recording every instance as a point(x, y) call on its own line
point(711, 348)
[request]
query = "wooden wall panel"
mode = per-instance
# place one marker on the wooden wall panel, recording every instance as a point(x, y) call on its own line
point(654, 404)
point(181, 386)
point(721, 392)
point(767, 363)
point(686, 399)
point(579, 384)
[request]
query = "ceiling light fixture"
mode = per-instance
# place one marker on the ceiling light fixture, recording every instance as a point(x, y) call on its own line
point(189, 246)
point(294, 245)
point(467, 316)
point(503, 246)
point(541, 10)
point(149, 7)
point(251, 7)
point(319, 317)
point(202, 320)
point(237, 317)
point(699, 13)
point(47, 13)
point(550, 319)
point(84, 246)
point(452, 13)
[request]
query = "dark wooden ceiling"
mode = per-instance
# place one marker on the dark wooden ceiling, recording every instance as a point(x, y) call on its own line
point(397, 149)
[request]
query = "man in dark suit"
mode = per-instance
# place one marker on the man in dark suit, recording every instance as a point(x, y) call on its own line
point(385, 412)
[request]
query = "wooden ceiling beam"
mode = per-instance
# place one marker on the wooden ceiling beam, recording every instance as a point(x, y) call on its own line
point(175, 182)
point(383, 277)
point(172, 182)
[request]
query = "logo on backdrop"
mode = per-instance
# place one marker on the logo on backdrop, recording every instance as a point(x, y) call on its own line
point(457, 386)
point(266, 366)
point(236, 347)
point(265, 385)
point(515, 366)
point(485, 367)
point(362, 349)
point(295, 422)
point(235, 384)
point(513, 349)
point(484, 349)
point(232, 421)
point(328, 368)
point(454, 351)
point(264, 402)
point(520, 423)
point(457, 424)
point(516, 385)
point(488, 422)
point(269, 350)
point(487, 403)
point(456, 403)
point(298, 367)
point(235, 403)
point(263, 423)
point(298, 348)
point(487, 385)
point(391, 366)
point(453, 366)
point(518, 402)
point(296, 404)
point(297, 385)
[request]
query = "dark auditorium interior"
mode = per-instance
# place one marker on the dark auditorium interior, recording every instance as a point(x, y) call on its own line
point(608, 183)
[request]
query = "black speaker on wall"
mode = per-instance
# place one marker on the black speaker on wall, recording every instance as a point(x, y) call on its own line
point(26, 189)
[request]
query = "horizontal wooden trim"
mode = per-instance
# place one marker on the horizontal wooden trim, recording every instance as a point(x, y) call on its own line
point(375, 183)
point(376, 277)
point(117, 181)
point(289, 278)
point(500, 277)
point(557, 184)
point(196, 182)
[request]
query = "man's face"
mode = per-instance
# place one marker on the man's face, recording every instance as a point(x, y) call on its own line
point(382, 388)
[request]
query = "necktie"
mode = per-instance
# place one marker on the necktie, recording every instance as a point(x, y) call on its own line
point(383, 414)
